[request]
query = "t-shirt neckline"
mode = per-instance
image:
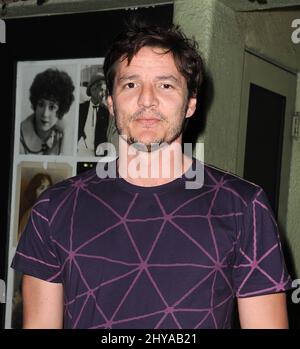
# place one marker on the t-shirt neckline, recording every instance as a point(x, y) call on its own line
point(133, 188)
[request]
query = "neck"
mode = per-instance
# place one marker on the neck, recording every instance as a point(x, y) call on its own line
point(154, 168)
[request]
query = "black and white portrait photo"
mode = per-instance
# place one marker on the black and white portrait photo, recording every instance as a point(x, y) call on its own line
point(46, 108)
point(94, 118)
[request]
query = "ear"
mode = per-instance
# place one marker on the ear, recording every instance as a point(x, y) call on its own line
point(110, 105)
point(191, 107)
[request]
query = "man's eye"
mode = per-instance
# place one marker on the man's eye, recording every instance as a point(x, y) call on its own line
point(166, 86)
point(130, 85)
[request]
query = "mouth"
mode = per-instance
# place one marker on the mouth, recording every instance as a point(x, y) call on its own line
point(148, 121)
point(45, 123)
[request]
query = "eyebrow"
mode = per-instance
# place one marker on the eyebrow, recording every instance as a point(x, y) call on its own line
point(158, 78)
point(128, 77)
point(167, 77)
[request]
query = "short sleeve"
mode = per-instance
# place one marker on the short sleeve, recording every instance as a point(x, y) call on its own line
point(35, 254)
point(259, 266)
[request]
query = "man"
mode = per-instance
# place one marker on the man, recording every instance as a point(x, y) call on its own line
point(93, 118)
point(140, 250)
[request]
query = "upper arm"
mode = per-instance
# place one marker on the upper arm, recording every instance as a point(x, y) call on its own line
point(267, 311)
point(42, 303)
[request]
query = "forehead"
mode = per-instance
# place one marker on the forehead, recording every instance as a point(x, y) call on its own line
point(149, 60)
point(47, 101)
point(98, 84)
point(44, 181)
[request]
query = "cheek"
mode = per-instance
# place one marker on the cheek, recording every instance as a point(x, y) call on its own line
point(122, 109)
point(38, 112)
point(54, 117)
point(171, 104)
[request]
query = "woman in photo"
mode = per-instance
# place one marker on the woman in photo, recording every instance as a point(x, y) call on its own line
point(51, 95)
point(38, 183)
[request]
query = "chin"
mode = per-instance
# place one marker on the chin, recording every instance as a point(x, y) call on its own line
point(148, 142)
point(148, 139)
point(45, 129)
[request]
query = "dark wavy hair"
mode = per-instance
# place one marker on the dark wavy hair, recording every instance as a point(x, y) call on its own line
point(29, 197)
point(171, 39)
point(53, 85)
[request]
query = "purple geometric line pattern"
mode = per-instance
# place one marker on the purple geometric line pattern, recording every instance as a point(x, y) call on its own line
point(37, 213)
point(254, 262)
point(36, 260)
point(166, 257)
point(89, 294)
point(61, 204)
point(34, 226)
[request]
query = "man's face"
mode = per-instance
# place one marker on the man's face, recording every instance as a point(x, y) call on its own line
point(150, 98)
point(97, 91)
point(46, 114)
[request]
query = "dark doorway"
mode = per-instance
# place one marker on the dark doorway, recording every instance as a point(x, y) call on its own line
point(264, 141)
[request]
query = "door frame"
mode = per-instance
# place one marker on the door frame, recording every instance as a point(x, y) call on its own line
point(274, 72)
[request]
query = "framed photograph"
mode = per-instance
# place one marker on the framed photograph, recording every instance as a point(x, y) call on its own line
point(46, 107)
point(94, 118)
point(32, 179)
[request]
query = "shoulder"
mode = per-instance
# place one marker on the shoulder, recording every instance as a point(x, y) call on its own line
point(231, 193)
point(27, 124)
point(72, 182)
point(83, 110)
point(64, 191)
point(231, 184)
point(103, 108)
point(59, 132)
point(84, 105)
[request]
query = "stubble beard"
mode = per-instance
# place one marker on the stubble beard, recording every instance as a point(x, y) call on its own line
point(173, 133)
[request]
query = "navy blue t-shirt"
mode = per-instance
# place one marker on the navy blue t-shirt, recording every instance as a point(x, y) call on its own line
point(153, 257)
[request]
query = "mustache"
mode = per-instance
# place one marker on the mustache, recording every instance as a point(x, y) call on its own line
point(139, 114)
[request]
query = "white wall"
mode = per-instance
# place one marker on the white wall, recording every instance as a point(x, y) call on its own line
point(293, 226)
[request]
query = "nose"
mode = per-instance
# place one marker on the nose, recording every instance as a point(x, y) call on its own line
point(147, 97)
point(46, 112)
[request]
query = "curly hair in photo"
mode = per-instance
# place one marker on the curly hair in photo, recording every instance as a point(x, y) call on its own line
point(54, 85)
